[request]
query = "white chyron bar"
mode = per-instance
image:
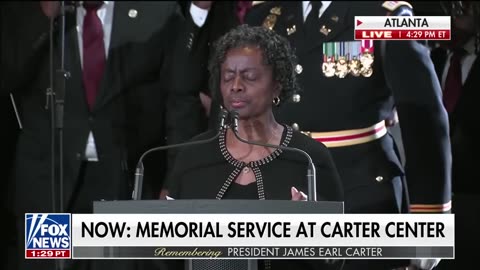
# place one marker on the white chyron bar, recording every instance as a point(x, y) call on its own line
point(402, 28)
point(274, 236)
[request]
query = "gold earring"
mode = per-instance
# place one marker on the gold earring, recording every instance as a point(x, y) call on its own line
point(276, 101)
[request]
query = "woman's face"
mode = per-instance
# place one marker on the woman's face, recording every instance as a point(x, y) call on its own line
point(246, 83)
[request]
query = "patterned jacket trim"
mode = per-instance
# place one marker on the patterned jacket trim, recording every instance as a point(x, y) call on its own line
point(350, 137)
point(431, 208)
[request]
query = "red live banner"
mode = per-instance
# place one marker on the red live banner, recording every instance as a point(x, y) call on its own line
point(402, 34)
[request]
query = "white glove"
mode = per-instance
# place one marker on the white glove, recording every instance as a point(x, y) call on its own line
point(425, 264)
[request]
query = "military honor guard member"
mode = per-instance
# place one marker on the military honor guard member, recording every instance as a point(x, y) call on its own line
point(349, 88)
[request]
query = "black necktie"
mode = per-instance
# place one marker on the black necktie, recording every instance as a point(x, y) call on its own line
point(312, 23)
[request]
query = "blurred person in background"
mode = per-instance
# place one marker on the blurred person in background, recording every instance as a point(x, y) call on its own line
point(458, 67)
point(11, 128)
point(120, 100)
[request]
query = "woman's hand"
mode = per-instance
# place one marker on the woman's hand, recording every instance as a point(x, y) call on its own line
point(163, 194)
point(298, 195)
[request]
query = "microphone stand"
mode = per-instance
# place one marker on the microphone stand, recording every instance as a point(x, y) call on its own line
point(50, 99)
point(56, 98)
point(61, 75)
point(55, 102)
point(138, 186)
point(311, 170)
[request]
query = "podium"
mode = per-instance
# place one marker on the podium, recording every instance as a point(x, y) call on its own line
point(218, 207)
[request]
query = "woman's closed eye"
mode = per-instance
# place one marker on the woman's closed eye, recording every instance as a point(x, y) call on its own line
point(228, 76)
point(250, 76)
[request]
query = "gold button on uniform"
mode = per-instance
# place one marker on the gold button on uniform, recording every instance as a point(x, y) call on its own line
point(296, 98)
point(379, 178)
point(295, 126)
point(132, 13)
point(298, 69)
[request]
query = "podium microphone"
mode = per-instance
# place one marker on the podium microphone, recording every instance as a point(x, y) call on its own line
point(311, 172)
point(137, 190)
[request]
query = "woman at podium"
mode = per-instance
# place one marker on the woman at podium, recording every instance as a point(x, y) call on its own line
point(253, 73)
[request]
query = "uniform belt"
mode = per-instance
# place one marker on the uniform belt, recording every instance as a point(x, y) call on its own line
point(349, 137)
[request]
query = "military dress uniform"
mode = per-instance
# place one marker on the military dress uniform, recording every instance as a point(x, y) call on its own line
point(349, 88)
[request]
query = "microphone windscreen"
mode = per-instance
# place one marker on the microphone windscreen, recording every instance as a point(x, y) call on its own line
point(222, 117)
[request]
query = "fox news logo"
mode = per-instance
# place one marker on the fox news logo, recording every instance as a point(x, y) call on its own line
point(47, 236)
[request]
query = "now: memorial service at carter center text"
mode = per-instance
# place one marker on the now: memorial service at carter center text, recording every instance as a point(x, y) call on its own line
point(286, 229)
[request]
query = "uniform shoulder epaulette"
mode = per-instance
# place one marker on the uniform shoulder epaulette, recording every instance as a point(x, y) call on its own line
point(394, 5)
